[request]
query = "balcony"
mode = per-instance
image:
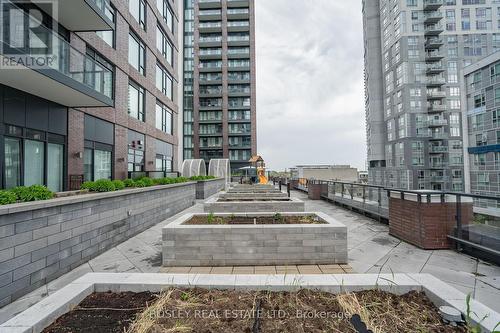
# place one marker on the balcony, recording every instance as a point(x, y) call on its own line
point(209, 3)
point(215, 53)
point(78, 15)
point(437, 122)
point(238, 26)
point(434, 69)
point(439, 179)
point(238, 13)
point(58, 72)
point(436, 94)
point(433, 43)
point(238, 40)
point(210, 41)
point(440, 136)
point(435, 81)
point(237, 3)
point(432, 108)
point(210, 15)
point(210, 26)
point(430, 5)
point(433, 17)
point(433, 56)
point(438, 165)
point(438, 149)
point(433, 30)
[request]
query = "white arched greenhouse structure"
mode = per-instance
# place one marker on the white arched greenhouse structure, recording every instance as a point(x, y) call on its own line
point(192, 168)
point(220, 168)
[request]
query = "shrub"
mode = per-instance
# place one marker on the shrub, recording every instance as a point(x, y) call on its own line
point(88, 186)
point(140, 183)
point(129, 183)
point(181, 180)
point(40, 192)
point(7, 197)
point(201, 178)
point(32, 193)
point(119, 185)
point(104, 185)
point(147, 181)
point(22, 193)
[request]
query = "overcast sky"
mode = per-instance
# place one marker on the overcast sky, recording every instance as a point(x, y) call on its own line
point(310, 100)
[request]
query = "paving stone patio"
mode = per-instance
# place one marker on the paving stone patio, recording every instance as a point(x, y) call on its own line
point(371, 250)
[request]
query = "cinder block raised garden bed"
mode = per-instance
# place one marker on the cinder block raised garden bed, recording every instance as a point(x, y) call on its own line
point(253, 204)
point(254, 239)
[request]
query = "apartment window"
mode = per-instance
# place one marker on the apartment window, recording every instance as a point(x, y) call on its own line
point(168, 16)
point(497, 95)
point(164, 81)
point(101, 77)
point(164, 46)
point(137, 53)
point(136, 101)
point(96, 163)
point(164, 156)
point(135, 152)
point(163, 118)
point(45, 165)
point(494, 71)
point(108, 36)
point(479, 100)
point(138, 10)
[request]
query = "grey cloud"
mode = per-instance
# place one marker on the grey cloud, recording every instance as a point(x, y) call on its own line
point(310, 100)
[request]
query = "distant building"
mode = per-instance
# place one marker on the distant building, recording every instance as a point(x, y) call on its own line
point(326, 172)
point(363, 177)
point(481, 82)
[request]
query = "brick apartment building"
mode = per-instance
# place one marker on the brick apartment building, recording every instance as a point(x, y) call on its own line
point(106, 107)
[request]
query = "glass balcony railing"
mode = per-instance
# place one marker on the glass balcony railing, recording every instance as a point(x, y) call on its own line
point(49, 52)
point(210, 12)
point(210, 25)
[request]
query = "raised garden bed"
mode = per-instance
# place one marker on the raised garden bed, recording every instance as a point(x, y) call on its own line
point(254, 239)
point(243, 205)
point(202, 310)
point(285, 292)
point(235, 196)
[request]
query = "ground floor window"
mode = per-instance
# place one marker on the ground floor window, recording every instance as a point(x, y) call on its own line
point(135, 160)
point(97, 162)
point(163, 163)
point(33, 157)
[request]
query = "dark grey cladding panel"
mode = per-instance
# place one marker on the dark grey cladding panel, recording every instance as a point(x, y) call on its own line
point(14, 104)
point(25, 110)
point(37, 113)
point(99, 130)
point(58, 119)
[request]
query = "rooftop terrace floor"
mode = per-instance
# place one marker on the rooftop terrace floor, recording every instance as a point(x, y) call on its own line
point(371, 250)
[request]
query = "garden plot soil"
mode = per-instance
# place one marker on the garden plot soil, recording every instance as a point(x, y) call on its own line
point(278, 219)
point(211, 311)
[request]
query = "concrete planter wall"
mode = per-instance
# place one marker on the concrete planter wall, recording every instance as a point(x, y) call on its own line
point(207, 188)
point(42, 240)
point(215, 206)
point(242, 245)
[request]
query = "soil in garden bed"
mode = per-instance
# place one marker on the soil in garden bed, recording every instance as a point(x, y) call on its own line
point(211, 311)
point(276, 219)
point(103, 313)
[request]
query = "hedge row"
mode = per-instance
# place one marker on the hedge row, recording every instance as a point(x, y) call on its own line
point(25, 194)
point(40, 192)
point(106, 185)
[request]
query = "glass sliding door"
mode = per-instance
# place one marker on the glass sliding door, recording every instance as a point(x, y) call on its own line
point(88, 165)
point(55, 167)
point(12, 162)
point(34, 161)
point(102, 164)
